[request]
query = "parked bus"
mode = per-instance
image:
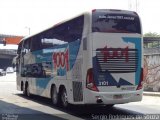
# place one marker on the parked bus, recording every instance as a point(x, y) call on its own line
point(94, 58)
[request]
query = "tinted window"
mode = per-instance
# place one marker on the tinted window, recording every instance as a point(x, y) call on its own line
point(35, 43)
point(37, 70)
point(26, 46)
point(67, 32)
point(115, 23)
point(19, 48)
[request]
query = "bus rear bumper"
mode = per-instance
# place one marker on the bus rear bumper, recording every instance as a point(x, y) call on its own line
point(113, 98)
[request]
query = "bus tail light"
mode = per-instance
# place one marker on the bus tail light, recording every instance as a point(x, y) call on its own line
point(140, 85)
point(94, 10)
point(90, 84)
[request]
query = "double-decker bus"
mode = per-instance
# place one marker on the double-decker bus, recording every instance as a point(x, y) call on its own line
point(94, 58)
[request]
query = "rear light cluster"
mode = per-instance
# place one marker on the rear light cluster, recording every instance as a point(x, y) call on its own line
point(94, 10)
point(90, 84)
point(140, 85)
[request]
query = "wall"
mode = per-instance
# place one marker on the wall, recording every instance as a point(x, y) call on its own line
point(152, 72)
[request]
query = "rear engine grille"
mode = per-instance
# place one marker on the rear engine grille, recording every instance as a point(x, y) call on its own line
point(116, 60)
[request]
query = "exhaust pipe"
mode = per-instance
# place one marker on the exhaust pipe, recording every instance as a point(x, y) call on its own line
point(99, 100)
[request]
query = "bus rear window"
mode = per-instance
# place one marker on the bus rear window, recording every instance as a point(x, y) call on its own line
point(115, 23)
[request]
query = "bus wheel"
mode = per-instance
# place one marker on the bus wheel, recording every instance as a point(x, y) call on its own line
point(54, 96)
point(64, 98)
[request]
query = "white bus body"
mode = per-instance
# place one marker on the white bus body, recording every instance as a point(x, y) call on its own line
point(95, 58)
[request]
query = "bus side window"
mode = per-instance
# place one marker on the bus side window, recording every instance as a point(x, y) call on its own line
point(18, 56)
point(69, 31)
point(26, 47)
point(35, 44)
point(73, 29)
point(19, 48)
point(76, 28)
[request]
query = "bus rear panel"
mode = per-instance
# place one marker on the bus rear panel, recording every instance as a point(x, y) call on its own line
point(116, 73)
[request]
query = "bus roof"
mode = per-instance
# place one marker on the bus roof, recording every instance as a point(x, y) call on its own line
point(84, 13)
point(115, 11)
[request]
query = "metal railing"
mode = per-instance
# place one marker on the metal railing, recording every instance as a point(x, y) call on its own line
point(8, 51)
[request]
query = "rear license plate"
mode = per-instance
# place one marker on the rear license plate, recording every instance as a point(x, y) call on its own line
point(117, 96)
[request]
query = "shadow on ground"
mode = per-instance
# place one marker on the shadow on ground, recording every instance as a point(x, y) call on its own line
point(14, 112)
point(87, 111)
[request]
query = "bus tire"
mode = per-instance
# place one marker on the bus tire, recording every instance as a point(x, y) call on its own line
point(54, 96)
point(64, 98)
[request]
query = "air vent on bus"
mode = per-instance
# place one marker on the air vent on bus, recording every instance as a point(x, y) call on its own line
point(77, 91)
point(115, 61)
